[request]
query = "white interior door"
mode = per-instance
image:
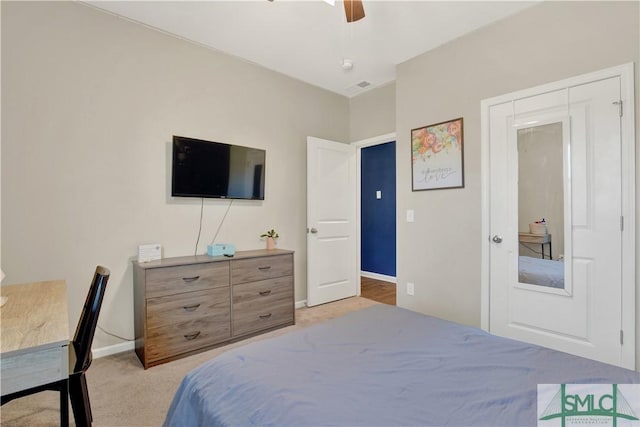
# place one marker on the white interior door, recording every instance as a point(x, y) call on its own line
point(586, 314)
point(332, 270)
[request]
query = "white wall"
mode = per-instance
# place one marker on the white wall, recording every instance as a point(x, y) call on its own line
point(440, 251)
point(373, 113)
point(89, 105)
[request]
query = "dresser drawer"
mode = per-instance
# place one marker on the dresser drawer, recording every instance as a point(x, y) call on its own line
point(261, 305)
point(253, 269)
point(171, 309)
point(186, 278)
point(172, 340)
point(183, 305)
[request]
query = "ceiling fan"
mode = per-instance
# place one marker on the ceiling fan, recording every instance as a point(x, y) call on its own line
point(353, 9)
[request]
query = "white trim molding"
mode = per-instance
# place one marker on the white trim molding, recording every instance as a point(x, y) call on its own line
point(378, 276)
point(376, 140)
point(113, 349)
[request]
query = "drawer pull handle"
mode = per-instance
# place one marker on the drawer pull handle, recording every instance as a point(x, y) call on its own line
point(190, 279)
point(193, 336)
point(267, 268)
point(191, 307)
point(265, 316)
point(265, 293)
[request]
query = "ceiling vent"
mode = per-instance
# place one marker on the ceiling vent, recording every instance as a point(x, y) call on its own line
point(357, 88)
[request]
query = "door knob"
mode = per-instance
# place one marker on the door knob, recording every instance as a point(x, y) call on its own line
point(313, 231)
point(497, 239)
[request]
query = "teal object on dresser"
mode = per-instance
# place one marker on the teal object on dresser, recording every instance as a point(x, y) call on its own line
point(220, 249)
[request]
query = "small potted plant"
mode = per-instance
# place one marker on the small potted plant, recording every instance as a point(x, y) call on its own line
point(271, 236)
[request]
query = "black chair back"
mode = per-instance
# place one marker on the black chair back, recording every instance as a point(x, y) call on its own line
point(89, 319)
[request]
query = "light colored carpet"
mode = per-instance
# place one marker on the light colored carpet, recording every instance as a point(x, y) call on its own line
point(122, 393)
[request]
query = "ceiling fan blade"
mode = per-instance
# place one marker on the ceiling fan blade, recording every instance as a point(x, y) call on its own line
point(353, 9)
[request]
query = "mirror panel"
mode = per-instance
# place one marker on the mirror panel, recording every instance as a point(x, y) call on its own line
point(541, 205)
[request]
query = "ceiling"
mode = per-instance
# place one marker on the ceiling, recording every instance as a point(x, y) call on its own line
point(309, 40)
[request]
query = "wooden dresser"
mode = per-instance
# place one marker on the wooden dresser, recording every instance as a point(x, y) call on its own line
point(186, 305)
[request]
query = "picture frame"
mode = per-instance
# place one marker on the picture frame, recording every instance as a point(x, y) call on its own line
point(437, 156)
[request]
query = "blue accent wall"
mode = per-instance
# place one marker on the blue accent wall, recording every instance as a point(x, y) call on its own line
point(378, 216)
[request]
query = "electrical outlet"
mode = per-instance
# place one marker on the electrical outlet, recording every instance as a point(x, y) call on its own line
point(410, 288)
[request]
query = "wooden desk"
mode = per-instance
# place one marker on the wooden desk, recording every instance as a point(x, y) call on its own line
point(34, 337)
point(540, 239)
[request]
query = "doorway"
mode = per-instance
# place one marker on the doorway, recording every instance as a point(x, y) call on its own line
point(377, 214)
point(558, 169)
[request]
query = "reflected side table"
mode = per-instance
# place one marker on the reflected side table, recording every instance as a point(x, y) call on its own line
point(539, 239)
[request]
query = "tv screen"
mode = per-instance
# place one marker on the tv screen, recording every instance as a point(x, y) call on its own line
point(216, 170)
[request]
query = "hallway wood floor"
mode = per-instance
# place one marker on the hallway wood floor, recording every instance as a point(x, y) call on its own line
point(378, 290)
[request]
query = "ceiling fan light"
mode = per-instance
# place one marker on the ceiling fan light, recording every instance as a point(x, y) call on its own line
point(331, 2)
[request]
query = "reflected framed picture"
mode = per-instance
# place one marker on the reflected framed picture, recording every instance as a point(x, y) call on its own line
point(437, 160)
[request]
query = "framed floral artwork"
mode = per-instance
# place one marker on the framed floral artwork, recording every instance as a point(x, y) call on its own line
point(437, 159)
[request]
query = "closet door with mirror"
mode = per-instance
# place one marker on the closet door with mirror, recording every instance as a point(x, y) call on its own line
point(559, 217)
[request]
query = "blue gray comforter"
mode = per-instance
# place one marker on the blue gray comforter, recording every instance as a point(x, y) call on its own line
point(381, 366)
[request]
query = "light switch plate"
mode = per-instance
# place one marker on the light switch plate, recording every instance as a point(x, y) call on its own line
point(378, 194)
point(410, 215)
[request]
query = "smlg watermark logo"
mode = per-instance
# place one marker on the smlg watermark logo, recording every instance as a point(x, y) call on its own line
point(614, 405)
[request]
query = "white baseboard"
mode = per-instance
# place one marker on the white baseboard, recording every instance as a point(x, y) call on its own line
point(377, 276)
point(301, 304)
point(113, 349)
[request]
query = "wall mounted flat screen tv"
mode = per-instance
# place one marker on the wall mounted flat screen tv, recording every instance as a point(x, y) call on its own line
point(216, 170)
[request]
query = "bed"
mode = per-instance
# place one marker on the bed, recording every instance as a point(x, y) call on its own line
point(543, 272)
point(380, 366)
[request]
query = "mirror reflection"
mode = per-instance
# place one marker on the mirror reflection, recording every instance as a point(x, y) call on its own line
point(541, 206)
